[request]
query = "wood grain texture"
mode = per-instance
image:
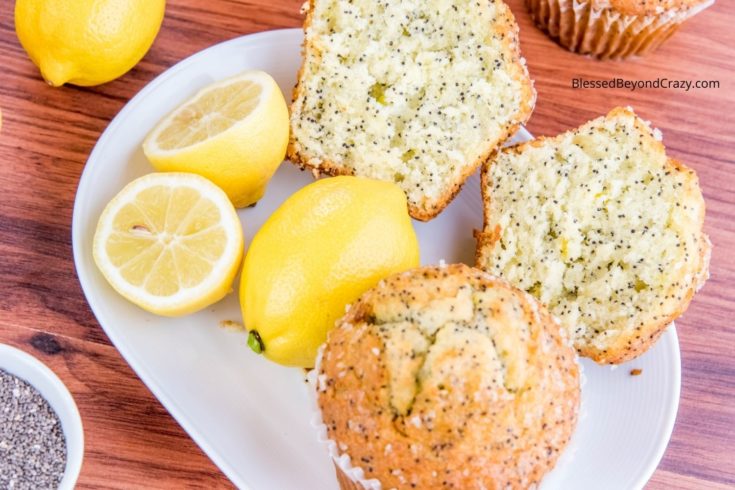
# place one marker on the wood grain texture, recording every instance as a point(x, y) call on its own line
point(131, 442)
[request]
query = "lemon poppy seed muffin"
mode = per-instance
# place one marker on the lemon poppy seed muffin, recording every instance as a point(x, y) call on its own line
point(416, 92)
point(448, 378)
point(612, 29)
point(602, 227)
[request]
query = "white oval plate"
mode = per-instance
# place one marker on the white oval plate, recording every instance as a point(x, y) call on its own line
point(251, 416)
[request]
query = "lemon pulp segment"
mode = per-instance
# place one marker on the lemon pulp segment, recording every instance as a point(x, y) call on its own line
point(234, 132)
point(170, 243)
point(210, 114)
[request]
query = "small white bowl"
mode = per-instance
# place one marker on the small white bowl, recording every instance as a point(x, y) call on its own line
point(35, 373)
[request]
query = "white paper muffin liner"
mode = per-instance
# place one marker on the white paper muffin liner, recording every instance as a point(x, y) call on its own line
point(352, 477)
point(580, 26)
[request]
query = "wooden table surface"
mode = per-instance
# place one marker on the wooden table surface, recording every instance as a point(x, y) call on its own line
point(131, 441)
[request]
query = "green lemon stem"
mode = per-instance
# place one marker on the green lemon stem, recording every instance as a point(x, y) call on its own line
point(255, 342)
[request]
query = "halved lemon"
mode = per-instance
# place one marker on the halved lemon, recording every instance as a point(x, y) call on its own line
point(169, 242)
point(233, 132)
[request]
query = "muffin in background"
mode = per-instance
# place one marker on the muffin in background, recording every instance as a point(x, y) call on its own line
point(612, 29)
point(447, 377)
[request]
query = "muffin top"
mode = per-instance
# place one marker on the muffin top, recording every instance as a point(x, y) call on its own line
point(447, 377)
point(650, 7)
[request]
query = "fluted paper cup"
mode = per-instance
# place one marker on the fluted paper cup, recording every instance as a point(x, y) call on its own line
point(349, 476)
point(585, 27)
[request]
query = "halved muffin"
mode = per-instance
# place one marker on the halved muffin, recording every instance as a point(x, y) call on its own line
point(447, 377)
point(602, 227)
point(418, 93)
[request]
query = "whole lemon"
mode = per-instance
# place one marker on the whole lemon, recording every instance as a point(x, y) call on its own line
point(86, 42)
point(325, 246)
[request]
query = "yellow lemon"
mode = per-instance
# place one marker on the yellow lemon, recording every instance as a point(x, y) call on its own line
point(326, 245)
point(171, 243)
point(233, 132)
point(87, 42)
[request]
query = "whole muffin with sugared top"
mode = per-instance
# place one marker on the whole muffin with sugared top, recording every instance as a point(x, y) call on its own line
point(447, 377)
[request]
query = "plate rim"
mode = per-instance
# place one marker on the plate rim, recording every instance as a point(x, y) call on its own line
point(672, 411)
point(84, 279)
point(149, 380)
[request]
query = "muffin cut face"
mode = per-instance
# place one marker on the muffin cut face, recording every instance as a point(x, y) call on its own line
point(449, 378)
point(602, 227)
point(417, 92)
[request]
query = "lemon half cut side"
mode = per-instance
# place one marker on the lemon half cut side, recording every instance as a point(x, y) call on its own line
point(233, 132)
point(169, 242)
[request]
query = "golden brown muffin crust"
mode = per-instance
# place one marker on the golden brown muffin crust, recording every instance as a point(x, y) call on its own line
point(446, 377)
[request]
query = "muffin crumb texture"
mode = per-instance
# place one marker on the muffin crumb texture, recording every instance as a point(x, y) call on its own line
point(413, 92)
point(474, 385)
point(602, 227)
